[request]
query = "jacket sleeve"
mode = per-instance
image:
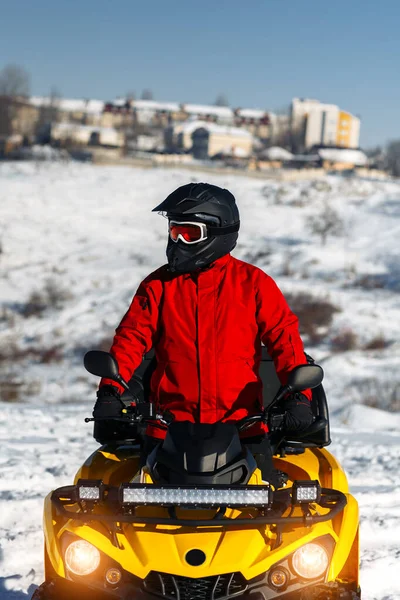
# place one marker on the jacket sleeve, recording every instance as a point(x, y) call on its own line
point(136, 333)
point(278, 328)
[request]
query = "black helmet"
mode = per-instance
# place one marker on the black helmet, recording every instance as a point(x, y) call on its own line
point(203, 203)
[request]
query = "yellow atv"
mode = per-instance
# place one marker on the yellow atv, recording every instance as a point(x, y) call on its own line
point(197, 521)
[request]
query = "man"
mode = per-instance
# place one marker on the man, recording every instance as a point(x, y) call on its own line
point(206, 315)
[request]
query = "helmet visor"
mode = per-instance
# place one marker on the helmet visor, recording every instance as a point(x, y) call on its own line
point(187, 231)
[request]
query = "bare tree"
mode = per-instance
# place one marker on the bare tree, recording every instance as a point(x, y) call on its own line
point(5, 117)
point(327, 223)
point(393, 158)
point(48, 114)
point(52, 106)
point(221, 100)
point(147, 94)
point(14, 81)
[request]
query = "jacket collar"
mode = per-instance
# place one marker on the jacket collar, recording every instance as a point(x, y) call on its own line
point(221, 262)
point(214, 267)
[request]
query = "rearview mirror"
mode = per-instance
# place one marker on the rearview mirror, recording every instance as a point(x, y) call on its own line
point(304, 377)
point(103, 364)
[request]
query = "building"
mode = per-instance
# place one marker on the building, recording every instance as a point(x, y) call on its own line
point(222, 115)
point(17, 117)
point(74, 134)
point(71, 110)
point(142, 116)
point(314, 123)
point(207, 140)
point(258, 122)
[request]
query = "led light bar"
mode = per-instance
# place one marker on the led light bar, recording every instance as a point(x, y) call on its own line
point(305, 492)
point(90, 490)
point(137, 495)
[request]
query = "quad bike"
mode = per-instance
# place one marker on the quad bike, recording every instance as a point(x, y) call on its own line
point(197, 521)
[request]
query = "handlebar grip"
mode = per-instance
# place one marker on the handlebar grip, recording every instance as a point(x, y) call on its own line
point(276, 422)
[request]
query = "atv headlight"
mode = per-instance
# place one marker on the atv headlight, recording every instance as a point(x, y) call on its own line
point(305, 492)
point(195, 496)
point(81, 558)
point(90, 490)
point(310, 561)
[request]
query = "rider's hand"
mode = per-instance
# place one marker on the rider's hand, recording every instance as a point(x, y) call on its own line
point(298, 413)
point(109, 404)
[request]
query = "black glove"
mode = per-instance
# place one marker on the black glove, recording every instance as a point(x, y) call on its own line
point(109, 404)
point(298, 413)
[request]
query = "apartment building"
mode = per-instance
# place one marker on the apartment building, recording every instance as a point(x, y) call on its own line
point(319, 124)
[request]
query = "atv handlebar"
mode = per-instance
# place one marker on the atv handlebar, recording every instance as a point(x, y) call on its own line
point(145, 413)
point(138, 413)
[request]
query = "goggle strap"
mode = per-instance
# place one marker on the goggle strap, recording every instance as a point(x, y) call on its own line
point(223, 230)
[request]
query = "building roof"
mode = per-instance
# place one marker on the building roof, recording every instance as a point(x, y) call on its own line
point(204, 109)
point(97, 107)
point(351, 156)
point(68, 126)
point(152, 105)
point(276, 153)
point(70, 104)
point(190, 126)
point(251, 113)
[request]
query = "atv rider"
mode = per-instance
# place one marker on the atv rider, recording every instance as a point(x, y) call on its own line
point(206, 315)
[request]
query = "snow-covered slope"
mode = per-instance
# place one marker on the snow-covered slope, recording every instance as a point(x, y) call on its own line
point(77, 239)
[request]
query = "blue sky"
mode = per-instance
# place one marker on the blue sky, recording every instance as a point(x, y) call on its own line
point(260, 53)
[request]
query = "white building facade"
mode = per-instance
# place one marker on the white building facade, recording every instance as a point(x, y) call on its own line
point(324, 124)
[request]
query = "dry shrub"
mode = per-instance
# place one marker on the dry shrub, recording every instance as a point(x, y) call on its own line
point(315, 314)
point(287, 265)
point(382, 394)
point(35, 306)
point(105, 343)
point(321, 186)
point(302, 200)
point(11, 353)
point(256, 257)
point(274, 196)
point(7, 317)
point(52, 355)
point(371, 281)
point(344, 341)
point(15, 390)
point(53, 295)
point(377, 343)
point(11, 391)
point(325, 224)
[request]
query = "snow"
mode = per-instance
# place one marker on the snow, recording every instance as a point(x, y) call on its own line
point(204, 109)
point(344, 155)
point(82, 133)
point(361, 417)
point(94, 107)
point(276, 153)
point(252, 113)
point(152, 105)
point(90, 232)
point(190, 126)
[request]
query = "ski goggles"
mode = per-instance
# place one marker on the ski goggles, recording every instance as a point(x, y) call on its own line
point(193, 232)
point(188, 232)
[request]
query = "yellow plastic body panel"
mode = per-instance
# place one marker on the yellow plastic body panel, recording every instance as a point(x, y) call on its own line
point(111, 465)
point(249, 550)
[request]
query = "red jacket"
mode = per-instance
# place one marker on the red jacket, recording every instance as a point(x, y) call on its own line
point(207, 328)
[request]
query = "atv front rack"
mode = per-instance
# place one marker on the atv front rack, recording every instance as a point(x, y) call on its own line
point(107, 509)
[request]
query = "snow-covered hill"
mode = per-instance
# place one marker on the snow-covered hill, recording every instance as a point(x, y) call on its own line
point(75, 242)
